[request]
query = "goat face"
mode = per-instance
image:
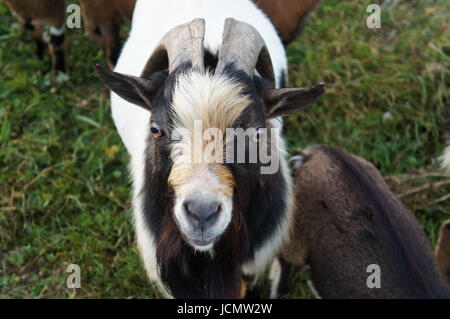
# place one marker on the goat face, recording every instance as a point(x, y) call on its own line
point(214, 126)
point(208, 116)
point(203, 107)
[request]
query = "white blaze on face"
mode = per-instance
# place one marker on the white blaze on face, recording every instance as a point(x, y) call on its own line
point(203, 105)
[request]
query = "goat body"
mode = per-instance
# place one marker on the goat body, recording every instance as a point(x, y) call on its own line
point(288, 16)
point(104, 18)
point(35, 15)
point(347, 219)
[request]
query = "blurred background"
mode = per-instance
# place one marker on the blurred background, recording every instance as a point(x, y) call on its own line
point(64, 189)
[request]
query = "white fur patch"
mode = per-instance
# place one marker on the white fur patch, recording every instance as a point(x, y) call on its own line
point(313, 289)
point(214, 99)
point(275, 278)
point(202, 104)
point(297, 161)
point(57, 31)
point(445, 159)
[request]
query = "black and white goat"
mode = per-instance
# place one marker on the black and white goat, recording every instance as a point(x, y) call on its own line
point(204, 227)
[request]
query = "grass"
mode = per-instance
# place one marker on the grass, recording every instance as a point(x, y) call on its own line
point(64, 189)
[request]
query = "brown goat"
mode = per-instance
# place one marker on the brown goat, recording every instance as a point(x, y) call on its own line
point(35, 15)
point(348, 219)
point(443, 250)
point(104, 18)
point(288, 16)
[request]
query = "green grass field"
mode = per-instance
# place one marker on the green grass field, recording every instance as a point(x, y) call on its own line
point(64, 188)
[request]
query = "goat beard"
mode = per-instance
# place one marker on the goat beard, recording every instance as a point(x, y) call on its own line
point(189, 274)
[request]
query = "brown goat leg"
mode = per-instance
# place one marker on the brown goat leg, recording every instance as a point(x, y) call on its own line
point(443, 250)
point(41, 48)
point(114, 51)
point(41, 45)
point(111, 43)
point(105, 17)
point(358, 238)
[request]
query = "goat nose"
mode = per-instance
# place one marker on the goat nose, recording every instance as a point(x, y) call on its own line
point(202, 210)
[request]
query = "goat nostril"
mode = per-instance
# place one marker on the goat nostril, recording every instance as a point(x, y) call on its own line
point(215, 213)
point(186, 206)
point(190, 210)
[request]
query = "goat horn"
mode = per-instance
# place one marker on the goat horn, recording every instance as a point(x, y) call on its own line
point(243, 46)
point(184, 43)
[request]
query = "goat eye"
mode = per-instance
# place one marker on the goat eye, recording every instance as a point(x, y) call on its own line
point(156, 131)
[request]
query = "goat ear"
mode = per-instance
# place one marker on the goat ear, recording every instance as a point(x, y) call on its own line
point(132, 89)
point(281, 102)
